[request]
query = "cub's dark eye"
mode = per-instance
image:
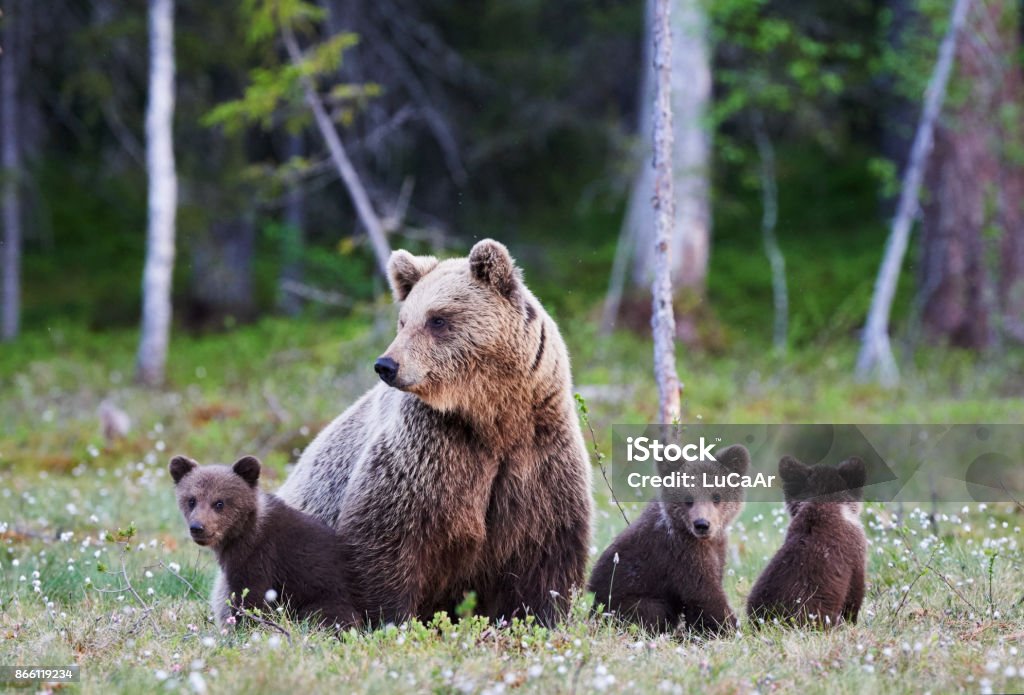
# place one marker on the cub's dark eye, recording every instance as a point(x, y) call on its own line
point(437, 322)
point(688, 501)
point(219, 505)
point(716, 498)
point(401, 323)
point(191, 502)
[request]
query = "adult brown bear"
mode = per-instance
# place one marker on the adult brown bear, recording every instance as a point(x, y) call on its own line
point(465, 470)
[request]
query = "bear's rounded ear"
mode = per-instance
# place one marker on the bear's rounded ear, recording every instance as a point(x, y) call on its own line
point(248, 468)
point(405, 270)
point(492, 264)
point(791, 469)
point(736, 458)
point(853, 473)
point(180, 467)
point(794, 476)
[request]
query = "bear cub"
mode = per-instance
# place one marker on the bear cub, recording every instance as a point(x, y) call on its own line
point(817, 576)
point(270, 554)
point(667, 565)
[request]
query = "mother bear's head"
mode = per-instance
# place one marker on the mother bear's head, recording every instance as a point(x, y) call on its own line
point(467, 329)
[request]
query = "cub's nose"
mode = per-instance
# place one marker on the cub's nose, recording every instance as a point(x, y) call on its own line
point(702, 527)
point(196, 529)
point(387, 370)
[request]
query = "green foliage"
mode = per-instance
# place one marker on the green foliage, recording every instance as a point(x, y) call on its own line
point(276, 93)
point(778, 62)
point(266, 17)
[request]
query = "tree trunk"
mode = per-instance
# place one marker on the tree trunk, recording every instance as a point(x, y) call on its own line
point(972, 270)
point(1011, 202)
point(221, 287)
point(876, 350)
point(364, 208)
point(691, 152)
point(162, 196)
point(292, 235)
point(663, 317)
point(769, 219)
point(10, 114)
point(691, 156)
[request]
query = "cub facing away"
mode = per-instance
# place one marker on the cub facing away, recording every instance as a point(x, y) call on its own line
point(667, 565)
point(269, 553)
point(817, 576)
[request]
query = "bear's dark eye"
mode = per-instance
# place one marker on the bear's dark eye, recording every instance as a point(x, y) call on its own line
point(716, 498)
point(401, 323)
point(437, 322)
point(688, 501)
point(191, 502)
point(219, 505)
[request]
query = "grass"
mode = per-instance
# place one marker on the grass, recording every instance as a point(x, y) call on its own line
point(943, 613)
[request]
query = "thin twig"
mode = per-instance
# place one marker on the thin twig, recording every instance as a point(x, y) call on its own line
point(266, 622)
point(910, 587)
point(182, 579)
point(937, 573)
point(582, 406)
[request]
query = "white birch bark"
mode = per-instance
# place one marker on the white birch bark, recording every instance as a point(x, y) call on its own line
point(162, 196)
point(663, 322)
point(769, 220)
point(876, 350)
point(10, 104)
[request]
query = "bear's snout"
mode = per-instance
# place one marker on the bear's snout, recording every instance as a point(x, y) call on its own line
point(702, 527)
point(197, 530)
point(387, 370)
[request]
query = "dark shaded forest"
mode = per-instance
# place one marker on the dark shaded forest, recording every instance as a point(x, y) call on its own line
point(520, 121)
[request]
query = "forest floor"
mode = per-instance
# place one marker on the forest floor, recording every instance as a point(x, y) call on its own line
point(81, 520)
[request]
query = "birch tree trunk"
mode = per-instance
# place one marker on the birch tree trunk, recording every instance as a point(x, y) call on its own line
point(162, 196)
point(691, 157)
point(293, 235)
point(662, 315)
point(769, 219)
point(10, 114)
point(876, 351)
point(691, 153)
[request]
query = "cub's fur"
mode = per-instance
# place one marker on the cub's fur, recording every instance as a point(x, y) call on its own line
point(817, 576)
point(668, 564)
point(465, 470)
point(262, 545)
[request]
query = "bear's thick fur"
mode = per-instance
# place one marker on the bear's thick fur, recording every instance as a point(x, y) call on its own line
point(263, 545)
point(668, 564)
point(466, 470)
point(817, 576)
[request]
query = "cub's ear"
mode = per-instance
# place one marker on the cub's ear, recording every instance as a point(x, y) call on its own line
point(248, 468)
point(736, 458)
point(853, 473)
point(794, 477)
point(180, 466)
point(791, 469)
point(405, 270)
point(491, 264)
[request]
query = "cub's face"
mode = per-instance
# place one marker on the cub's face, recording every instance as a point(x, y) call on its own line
point(216, 501)
point(841, 485)
point(705, 511)
point(461, 320)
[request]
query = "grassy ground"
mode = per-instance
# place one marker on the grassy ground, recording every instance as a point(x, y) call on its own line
point(942, 614)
